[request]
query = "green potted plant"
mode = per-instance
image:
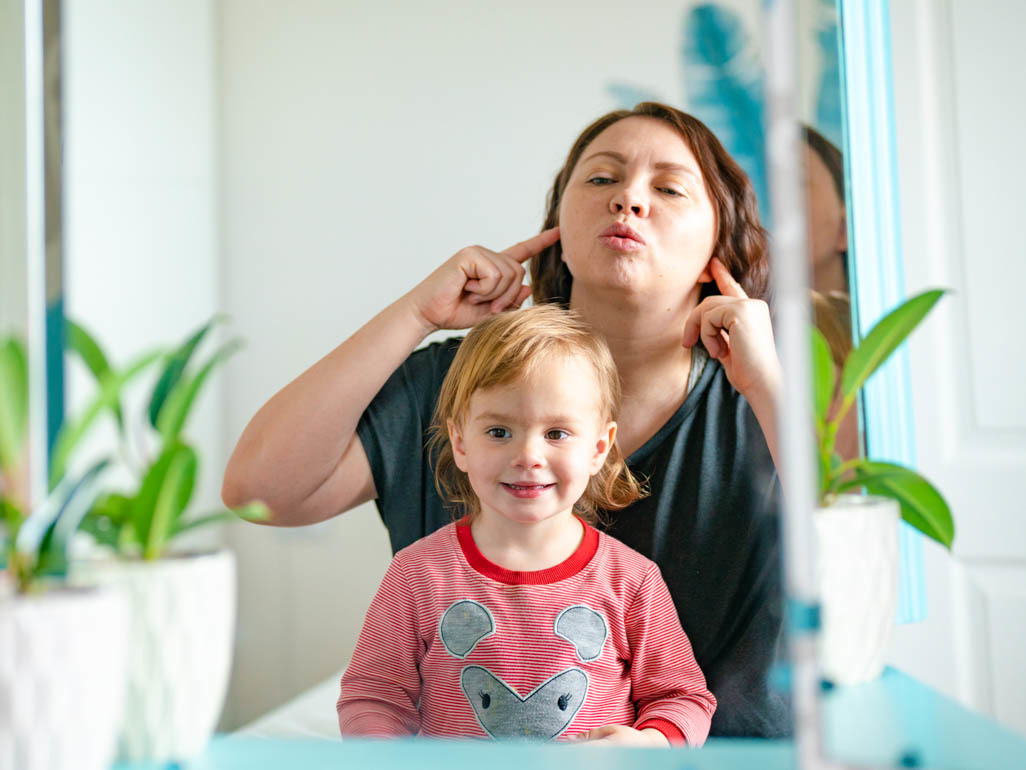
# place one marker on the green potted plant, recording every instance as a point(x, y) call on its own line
point(857, 535)
point(68, 643)
point(182, 601)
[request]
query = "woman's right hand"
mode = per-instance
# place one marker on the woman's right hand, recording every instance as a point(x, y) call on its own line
point(476, 283)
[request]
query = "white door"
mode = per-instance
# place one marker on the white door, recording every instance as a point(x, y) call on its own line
point(960, 116)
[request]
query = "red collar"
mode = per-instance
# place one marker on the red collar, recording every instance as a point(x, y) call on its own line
point(568, 568)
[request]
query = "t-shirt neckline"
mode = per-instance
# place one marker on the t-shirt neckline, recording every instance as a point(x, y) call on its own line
point(567, 568)
point(690, 403)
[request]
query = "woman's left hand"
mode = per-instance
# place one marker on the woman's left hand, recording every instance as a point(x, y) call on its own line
point(622, 735)
point(737, 332)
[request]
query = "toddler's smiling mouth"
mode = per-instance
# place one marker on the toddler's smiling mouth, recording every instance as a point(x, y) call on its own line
point(526, 490)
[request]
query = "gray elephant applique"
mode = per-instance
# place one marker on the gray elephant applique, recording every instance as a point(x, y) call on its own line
point(547, 710)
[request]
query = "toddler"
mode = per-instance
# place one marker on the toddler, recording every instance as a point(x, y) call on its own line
point(521, 619)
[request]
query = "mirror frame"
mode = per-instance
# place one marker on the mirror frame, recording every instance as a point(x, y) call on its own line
point(874, 232)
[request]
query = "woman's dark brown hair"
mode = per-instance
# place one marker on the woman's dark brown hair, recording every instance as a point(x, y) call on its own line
point(829, 154)
point(741, 242)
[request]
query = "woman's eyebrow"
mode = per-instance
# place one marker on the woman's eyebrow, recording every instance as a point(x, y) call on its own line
point(663, 165)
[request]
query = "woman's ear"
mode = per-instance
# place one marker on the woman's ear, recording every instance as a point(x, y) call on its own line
point(706, 275)
point(459, 456)
point(841, 237)
point(603, 447)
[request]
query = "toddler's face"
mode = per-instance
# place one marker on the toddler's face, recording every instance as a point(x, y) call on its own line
point(530, 447)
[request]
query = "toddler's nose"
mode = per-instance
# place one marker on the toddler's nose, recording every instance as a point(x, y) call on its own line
point(529, 454)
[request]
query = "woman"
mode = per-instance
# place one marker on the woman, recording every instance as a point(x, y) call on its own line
point(828, 259)
point(648, 216)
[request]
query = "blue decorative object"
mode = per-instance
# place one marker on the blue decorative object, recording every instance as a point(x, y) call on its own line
point(720, 65)
point(829, 110)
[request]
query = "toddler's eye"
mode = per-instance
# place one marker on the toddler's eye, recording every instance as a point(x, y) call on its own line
point(498, 433)
point(556, 435)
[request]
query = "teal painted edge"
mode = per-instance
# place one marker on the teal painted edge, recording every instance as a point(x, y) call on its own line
point(54, 371)
point(874, 227)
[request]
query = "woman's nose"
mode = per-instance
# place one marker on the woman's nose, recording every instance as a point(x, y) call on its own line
point(629, 199)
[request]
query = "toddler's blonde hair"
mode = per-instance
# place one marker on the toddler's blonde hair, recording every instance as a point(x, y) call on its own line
point(507, 348)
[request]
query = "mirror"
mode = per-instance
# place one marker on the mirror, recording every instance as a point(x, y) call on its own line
point(290, 167)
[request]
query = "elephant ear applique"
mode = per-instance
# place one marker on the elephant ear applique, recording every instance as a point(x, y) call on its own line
point(463, 625)
point(584, 628)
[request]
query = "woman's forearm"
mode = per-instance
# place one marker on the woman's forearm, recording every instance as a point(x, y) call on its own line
point(300, 440)
point(765, 404)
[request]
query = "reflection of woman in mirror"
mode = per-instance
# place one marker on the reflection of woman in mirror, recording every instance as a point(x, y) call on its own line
point(828, 256)
point(653, 238)
point(521, 619)
point(827, 218)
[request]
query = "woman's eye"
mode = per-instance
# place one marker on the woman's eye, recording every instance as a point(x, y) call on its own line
point(600, 180)
point(671, 191)
point(498, 433)
point(556, 435)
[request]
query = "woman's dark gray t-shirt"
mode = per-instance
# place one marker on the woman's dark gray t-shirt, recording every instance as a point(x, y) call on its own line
point(710, 523)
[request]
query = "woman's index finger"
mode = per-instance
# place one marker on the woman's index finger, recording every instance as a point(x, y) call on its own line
point(535, 245)
point(725, 281)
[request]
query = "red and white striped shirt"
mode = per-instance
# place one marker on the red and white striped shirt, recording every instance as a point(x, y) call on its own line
point(456, 646)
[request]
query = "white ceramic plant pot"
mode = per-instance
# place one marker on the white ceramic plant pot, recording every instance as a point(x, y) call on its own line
point(62, 676)
point(857, 572)
point(180, 650)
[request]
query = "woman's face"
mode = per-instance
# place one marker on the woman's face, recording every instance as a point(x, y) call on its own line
point(636, 216)
point(828, 236)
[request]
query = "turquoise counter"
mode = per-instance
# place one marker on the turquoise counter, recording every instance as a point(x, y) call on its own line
point(894, 721)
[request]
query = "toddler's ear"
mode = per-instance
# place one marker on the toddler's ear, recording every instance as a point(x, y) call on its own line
point(602, 447)
point(456, 439)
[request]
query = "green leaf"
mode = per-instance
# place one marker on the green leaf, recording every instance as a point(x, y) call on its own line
point(202, 521)
point(250, 512)
point(824, 376)
point(883, 339)
point(73, 431)
point(145, 501)
point(254, 511)
point(922, 506)
point(107, 519)
point(45, 535)
point(179, 402)
point(13, 403)
point(12, 518)
point(172, 499)
point(176, 367)
point(82, 343)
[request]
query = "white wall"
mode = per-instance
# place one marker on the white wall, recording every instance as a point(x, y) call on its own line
point(362, 143)
point(141, 265)
point(960, 112)
point(13, 274)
